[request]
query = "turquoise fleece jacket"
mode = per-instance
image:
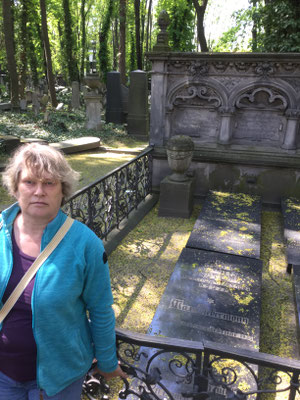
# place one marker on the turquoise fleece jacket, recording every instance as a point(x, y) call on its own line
point(74, 279)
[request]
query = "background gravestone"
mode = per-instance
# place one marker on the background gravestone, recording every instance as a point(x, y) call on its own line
point(138, 108)
point(114, 110)
point(75, 101)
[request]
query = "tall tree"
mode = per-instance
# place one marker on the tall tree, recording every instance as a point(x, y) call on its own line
point(69, 43)
point(200, 11)
point(47, 53)
point(10, 51)
point(122, 48)
point(23, 53)
point(103, 39)
point(83, 38)
point(138, 34)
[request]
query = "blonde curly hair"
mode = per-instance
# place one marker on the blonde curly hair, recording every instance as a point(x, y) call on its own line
point(40, 159)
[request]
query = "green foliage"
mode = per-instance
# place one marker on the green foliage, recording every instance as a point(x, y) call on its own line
point(182, 23)
point(281, 27)
point(104, 60)
point(236, 38)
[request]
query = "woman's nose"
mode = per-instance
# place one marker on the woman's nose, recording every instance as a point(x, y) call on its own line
point(39, 188)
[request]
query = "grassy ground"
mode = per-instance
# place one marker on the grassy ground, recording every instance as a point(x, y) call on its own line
point(65, 125)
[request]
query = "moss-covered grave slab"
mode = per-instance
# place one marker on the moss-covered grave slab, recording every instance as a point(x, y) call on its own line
point(229, 223)
point(291, 219)
point(210, 296)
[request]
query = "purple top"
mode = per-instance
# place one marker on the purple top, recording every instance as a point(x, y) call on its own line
point(17, 344)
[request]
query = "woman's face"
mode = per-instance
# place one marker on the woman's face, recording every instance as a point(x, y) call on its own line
point(39, 198)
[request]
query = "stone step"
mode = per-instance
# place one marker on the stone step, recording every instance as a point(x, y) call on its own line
point(229, 223)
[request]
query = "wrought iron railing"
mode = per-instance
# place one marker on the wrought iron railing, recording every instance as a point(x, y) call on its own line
point(172, 369)
point(105, 203)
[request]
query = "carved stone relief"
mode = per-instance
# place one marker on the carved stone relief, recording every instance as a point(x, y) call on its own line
point(262, 98)
point(198, 95)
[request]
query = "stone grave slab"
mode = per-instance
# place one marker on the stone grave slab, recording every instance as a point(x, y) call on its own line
point(210, 296)
point(229, 223)
point(291, 220)
point(77, 144)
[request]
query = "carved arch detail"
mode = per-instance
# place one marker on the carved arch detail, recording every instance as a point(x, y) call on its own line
point(202, 93)
point(260, 95)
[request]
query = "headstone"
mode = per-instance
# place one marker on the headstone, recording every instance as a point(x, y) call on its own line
point(36, 103)
point(125, 97)
point(291, 220)
point(229, 223)
point(93, 111)
point(138, 108)
point(23, 104)
point(75, 101)
point(114, 110)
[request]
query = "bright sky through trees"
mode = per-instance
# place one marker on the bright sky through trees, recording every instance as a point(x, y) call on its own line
point(218, 16)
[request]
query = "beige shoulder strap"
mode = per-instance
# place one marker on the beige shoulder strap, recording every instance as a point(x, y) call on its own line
point(10, 302)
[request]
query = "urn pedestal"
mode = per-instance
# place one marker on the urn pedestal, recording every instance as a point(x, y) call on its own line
point(177, 189)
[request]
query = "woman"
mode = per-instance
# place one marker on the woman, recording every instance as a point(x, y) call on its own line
point(47, 343)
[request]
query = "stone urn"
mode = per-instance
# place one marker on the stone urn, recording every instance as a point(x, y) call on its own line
point(180, 150)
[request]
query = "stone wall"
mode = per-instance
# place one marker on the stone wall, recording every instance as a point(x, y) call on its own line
point(242, 112)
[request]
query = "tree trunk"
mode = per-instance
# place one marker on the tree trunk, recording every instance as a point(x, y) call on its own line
point(200, 11)
point(23, 54)
point(122, 48)
point(254, 28)
point(148, 31)
point(115, 39)
point(48, 53)
point(83, 39)
point(138, 34)
point(69, 43)
point(10, 51)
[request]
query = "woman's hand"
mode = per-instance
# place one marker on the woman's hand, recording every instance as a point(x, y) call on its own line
point(109, 375)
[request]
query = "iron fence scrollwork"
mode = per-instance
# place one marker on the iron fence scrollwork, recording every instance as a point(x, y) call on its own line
point(172, 369)
point(104, 204)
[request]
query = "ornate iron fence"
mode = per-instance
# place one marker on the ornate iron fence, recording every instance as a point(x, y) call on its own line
point(106, 202)
point(172, 369)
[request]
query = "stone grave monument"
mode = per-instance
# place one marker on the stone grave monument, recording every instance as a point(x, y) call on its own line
point(138, 109)
point(93, 102)
point(114, 109)
point(75, 100)
point(242, 111)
